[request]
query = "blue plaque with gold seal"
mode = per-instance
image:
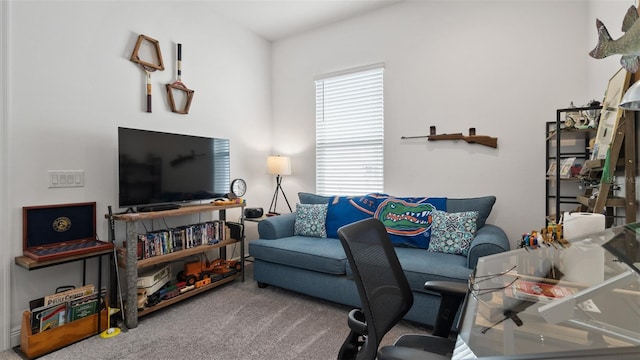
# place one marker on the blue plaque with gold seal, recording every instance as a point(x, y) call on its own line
point(63, 230)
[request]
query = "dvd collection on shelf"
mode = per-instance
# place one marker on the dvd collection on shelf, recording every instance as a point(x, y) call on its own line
point(166, 241)
point(64, 307)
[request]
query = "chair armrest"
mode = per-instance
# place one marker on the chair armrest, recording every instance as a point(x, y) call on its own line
point(447, 287)
point(452, 294)
point(276, 227)
point(488, 240)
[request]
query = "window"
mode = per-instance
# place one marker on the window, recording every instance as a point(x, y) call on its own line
point(350, 133)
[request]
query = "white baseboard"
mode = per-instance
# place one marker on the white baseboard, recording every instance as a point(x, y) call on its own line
point(15, 337)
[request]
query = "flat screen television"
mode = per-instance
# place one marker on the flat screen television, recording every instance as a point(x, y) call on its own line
point(158, 168)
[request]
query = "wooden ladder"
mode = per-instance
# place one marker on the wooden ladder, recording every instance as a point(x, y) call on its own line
point(605, 202)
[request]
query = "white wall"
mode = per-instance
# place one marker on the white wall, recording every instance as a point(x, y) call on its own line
point(501, 67)
point(5, 259)
point(72, 84)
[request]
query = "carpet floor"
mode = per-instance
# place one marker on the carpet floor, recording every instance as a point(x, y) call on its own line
point(235, 321)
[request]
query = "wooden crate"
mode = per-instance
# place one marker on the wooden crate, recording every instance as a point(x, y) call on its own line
point(35, 345)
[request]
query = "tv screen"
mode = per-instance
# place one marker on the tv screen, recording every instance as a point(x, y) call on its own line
point(162, 168)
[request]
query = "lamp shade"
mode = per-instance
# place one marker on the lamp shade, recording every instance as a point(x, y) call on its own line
point(279, 165)
point(631, 99)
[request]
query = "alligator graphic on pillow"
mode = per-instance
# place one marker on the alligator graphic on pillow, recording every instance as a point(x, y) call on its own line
point(407, 219)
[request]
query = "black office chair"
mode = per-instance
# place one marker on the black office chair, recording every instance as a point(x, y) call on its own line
point(386, 297)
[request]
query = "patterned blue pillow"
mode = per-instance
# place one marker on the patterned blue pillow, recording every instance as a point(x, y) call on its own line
point(310, 220)
point(452, 233)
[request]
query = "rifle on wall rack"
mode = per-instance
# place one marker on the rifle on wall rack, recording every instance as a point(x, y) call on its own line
point(472, 138)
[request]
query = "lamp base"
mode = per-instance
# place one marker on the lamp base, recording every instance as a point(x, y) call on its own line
point(274, 201)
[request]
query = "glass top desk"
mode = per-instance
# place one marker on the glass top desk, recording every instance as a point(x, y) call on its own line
point(581, 300)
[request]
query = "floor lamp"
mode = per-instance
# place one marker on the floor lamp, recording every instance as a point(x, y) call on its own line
point(278, 165)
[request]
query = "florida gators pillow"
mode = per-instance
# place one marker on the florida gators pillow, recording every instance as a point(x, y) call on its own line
point(408, 220)
point(345, 210)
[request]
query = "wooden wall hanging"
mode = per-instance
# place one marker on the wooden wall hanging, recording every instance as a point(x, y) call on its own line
point(178, 90)
point(472, 138)
point(148, 65)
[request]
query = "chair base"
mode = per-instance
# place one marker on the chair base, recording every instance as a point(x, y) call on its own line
point(409, 347)
point(434, 344)
point(404, 353)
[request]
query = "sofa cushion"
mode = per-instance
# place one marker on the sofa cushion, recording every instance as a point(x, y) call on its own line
point(310, 220)
point(452, 233)
point(323, 255)
point(482, 205)
point(308, 198)
point(421, 266)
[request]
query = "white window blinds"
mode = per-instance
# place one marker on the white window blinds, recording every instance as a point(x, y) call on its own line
point(350, 133)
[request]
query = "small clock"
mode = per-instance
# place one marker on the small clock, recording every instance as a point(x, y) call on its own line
point(238, 187)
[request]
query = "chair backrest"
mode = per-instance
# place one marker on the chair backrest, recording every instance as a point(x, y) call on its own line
point(384, 290)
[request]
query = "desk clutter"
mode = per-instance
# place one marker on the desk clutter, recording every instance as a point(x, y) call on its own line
point(551, 236)
point(571, 226)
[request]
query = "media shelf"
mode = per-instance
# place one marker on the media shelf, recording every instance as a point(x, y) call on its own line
point(132, 264)
point(168, 302)
point(176, 255)
point(184, 210)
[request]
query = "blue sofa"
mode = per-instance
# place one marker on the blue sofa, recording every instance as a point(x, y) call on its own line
point(318, 266)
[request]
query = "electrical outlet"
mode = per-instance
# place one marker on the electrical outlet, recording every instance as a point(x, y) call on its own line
point(65, 178)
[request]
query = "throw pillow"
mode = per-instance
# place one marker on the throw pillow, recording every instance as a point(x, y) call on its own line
point(309, 198)
point(310, 220)
point(345, 210)
point(408, 219)
point(482, 204)
point(452, 233)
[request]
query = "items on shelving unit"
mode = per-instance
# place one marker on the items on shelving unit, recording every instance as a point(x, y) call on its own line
point(173, 292)
point(579, 177)
point(166, 241)
point(567, 150)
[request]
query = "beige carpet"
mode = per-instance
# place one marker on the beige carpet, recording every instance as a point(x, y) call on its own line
point(236, 321)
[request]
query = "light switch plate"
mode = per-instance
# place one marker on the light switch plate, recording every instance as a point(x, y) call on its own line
point(65, 178)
